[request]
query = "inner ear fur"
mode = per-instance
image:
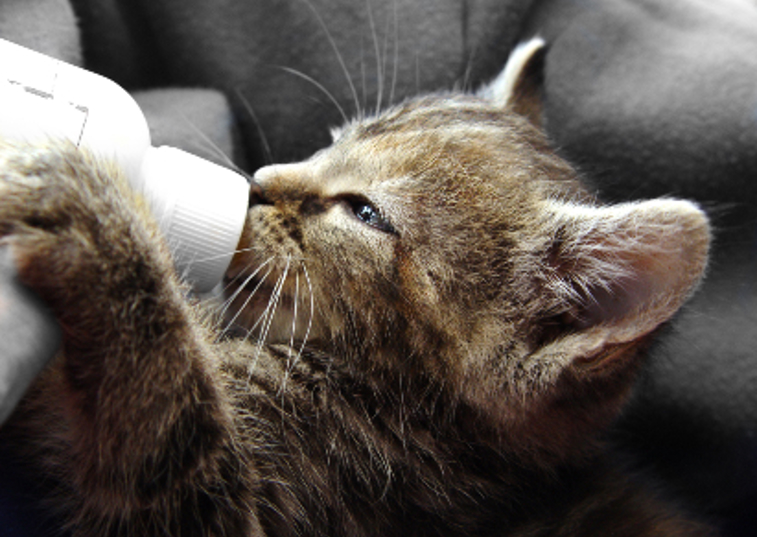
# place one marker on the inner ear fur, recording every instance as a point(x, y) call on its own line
point(616, 273)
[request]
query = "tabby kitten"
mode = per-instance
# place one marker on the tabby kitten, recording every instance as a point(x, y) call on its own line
point(447, 323)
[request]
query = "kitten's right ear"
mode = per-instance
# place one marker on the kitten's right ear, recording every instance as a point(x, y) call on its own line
point(519, 85)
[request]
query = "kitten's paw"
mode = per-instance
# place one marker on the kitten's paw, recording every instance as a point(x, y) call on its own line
point(77, 231)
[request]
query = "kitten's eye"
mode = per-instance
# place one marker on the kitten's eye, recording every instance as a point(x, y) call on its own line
point(367, 213)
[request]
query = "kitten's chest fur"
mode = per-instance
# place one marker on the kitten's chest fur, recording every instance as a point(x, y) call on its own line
point(348, 456)
point(340, 455)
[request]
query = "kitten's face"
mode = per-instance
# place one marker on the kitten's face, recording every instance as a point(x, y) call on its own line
point(445, 238)
point(416, 230)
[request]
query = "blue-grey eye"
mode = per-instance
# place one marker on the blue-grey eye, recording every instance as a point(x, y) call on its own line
point(367, 213)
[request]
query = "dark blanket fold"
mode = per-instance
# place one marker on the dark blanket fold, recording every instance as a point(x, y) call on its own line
point(648, 97)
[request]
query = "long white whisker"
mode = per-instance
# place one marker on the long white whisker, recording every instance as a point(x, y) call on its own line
point(249, 298)
point(312, 311)
point(243, 250)
point(219, 256)
point(263, 317)
point(268, 315)
point(230, 283)
point(377, 51)
point(294, 311)
point(291, 358)
point(345, 117)
point(258, 126)
point(338, 54)
point(214, 146)
point(363, 78)
point(273, 303)
point(395, 66)
point(227, 302)
point(417, 73)
point(385, 59)
point(468, 73)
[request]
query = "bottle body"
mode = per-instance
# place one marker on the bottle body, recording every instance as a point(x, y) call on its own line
point(46, 98)
point(199, 206)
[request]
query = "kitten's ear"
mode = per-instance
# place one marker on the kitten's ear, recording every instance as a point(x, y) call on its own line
point(622, 270)
point(519, 85)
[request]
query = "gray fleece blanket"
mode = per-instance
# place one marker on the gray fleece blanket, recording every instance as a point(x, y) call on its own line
point(647, 97)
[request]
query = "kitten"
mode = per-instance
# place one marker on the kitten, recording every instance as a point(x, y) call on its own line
point(448, 322)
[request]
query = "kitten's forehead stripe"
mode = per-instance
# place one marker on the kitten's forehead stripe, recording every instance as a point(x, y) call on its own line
point(442, 112)
point(410, 139)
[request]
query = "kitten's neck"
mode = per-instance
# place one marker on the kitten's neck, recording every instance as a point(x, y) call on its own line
point(403, 440)
point(424, 414)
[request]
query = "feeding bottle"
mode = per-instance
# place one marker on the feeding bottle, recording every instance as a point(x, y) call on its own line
point(200, 206)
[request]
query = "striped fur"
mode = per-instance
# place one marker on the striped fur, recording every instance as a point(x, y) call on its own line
point(430, 324)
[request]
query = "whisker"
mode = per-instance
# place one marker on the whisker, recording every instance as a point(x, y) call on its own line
point(268, 154)
point(363, 76)
point(377, 51)
point(249, 298)
point(262, 318)
point(248, 249)
point(268, 316)
point(467, 79)
point(294, 311)
point(395, 66)
point(312, 310)
point(417, 73)
point(219, 256)
point(321, 87)
point(339, 56)
point(236, 278)
point(291, 358)
point(213, 146)
point(385, 59)
point(229, 283)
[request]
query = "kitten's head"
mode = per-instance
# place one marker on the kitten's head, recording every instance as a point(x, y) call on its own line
point(445, 238)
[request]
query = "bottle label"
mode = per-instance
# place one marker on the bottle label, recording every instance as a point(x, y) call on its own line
point(34, 110)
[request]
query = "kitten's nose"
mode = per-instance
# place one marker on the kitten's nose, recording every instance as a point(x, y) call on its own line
point(257, 195)
point(262, 177)
point(267, 183)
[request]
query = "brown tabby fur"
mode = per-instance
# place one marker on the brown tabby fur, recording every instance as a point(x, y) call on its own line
point(445, 369)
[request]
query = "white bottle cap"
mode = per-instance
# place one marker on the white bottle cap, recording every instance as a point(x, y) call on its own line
point(200, 207)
